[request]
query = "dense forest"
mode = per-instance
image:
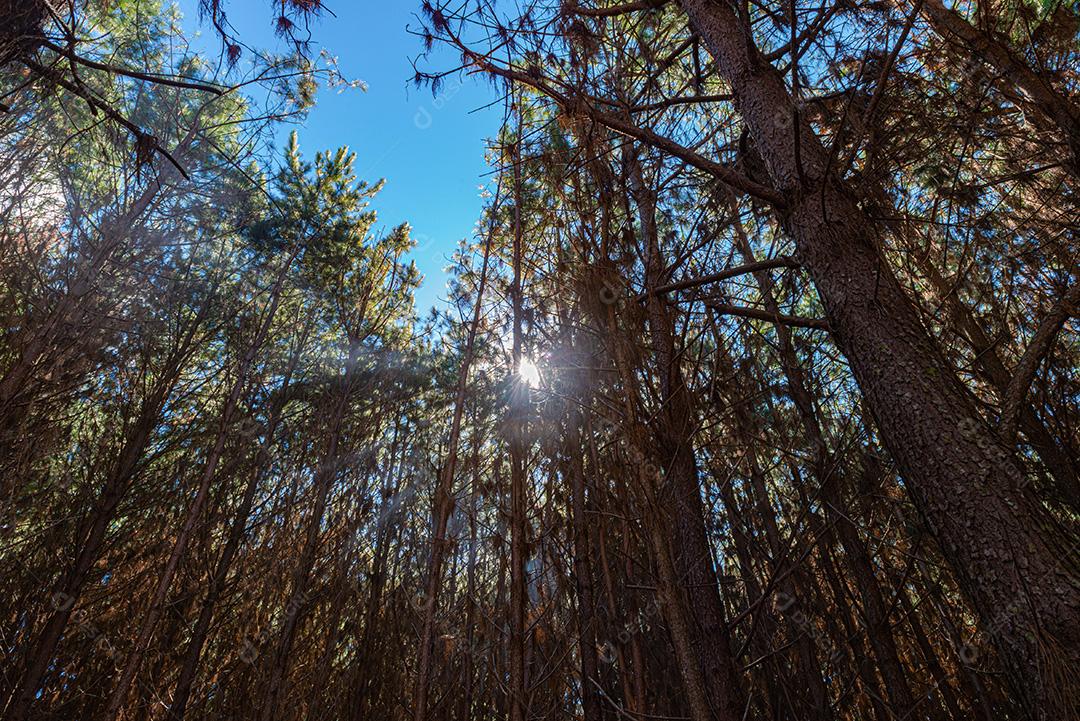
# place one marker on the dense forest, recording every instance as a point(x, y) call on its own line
point(755, 394)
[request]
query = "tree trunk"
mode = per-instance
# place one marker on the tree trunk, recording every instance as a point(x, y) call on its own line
point(583, 576)
point(443, 504)
point(237, 531)
point(967, 485)
point(837, 512)
point(763, 628)
point(517, 430)
point(1063, 466)
point(45, 338)
point(678, 499)
point(195, 510)
point(301, 577)
point(67, 591)
point(362, 684)
point(942, 683)
point(471, 581)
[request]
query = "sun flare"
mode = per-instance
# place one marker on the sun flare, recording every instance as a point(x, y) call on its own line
point(529, 373)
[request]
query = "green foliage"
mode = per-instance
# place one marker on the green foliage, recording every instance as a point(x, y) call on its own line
point(320, 211)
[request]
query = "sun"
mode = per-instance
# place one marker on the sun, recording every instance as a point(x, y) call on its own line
point(529, 373)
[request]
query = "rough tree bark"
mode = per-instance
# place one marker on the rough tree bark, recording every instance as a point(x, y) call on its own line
point(966, 483)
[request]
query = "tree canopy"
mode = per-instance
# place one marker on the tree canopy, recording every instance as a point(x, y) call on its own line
point(755, 394)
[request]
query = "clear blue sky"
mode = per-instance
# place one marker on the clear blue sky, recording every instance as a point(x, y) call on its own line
point(429, 149)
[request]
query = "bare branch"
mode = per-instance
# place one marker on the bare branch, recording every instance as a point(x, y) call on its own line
point(758, 314)
point(615, 10)
point(1039, 347)
point(779, 262)
point(148, 77)
point(583, 106)
point(143, 140)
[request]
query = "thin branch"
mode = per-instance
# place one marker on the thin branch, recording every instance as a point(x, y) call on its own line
point(1039, 347)
point(882, 83)
point(143, 140)
point(583, 106)
point(783, 261)
point(614, 10)
point(148, 77)
point(669, 102)
point(758, 314)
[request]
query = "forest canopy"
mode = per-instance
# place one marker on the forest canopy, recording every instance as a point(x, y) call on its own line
point(755, 393)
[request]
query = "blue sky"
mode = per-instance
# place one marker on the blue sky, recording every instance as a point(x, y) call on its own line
point(429, 149)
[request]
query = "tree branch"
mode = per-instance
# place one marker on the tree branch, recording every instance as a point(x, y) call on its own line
point(148, 77)
point(618, 9)
point(582, 105)
point(143, 141)
point(1024, 375)
point(670, 102)
point(783, 261)
point(758, 314)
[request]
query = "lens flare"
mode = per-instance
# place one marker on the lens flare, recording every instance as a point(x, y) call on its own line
point(529, 373)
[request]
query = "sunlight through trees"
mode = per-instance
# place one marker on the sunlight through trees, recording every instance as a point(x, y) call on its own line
point(754, 395)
